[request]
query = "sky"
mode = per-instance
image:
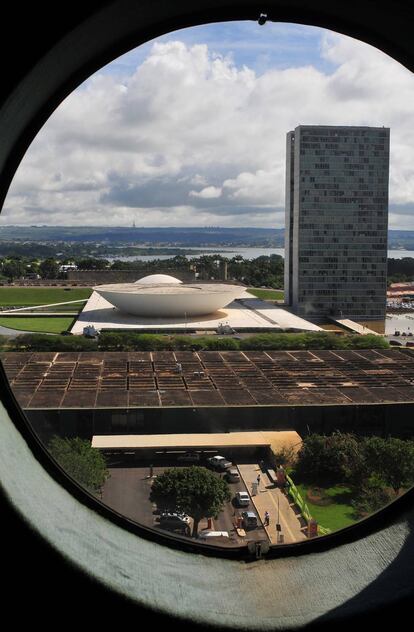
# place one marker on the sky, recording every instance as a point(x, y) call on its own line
point(190, 129)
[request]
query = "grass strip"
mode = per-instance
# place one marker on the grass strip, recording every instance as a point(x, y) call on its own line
point(46, 324)
point(26, 296)
point(266, 295)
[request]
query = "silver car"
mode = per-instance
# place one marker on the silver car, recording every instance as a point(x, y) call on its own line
point(232, 475)
point(249, 520)
point(242, 499)
point(219, 463)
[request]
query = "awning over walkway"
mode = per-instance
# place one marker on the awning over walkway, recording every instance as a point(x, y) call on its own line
point(274, 439)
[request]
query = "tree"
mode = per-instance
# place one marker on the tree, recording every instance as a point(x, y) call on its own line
point(391, 459)
point(192, 490)
point(84, 463)
point(286, 456)
point(49, 269)
point(336, 458)
point(13, 269)
point(91, 263)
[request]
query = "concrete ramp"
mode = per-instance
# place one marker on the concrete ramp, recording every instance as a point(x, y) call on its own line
point(356, 328)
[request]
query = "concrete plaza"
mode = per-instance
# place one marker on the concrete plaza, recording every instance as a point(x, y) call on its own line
point(244, 313)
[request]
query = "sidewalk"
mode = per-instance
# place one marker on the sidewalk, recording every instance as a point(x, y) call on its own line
point(278, 505)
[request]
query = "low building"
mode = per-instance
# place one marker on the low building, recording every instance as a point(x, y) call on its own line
point(145, 393)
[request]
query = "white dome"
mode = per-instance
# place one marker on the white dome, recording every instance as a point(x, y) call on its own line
point(166, 300)
point(159, 278)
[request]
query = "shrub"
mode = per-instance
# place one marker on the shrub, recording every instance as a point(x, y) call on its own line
point(220, 344)
point(371, 496)
point(135, 341)
point(48, 342)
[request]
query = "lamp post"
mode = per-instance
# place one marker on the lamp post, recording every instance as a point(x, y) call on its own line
point(278, 509)
point(278, 526)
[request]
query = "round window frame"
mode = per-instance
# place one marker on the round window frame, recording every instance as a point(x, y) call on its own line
point(21, 118)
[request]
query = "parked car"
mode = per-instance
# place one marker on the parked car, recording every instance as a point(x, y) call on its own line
point(219, 463)
point(396, 343)
point(191, 457)
point(249, 520)
point(242, 499)
point(232, 475)
point(175, 521)
point(206, 535)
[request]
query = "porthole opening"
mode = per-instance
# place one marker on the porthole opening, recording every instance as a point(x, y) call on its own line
point(303, 408)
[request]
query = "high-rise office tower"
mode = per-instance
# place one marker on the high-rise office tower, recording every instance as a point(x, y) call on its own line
point(337, 222)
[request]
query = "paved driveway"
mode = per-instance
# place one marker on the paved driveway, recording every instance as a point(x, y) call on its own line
point(127, 491)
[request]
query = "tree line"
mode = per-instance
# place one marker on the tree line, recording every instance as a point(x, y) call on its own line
point(261, 271)
point(400, 270)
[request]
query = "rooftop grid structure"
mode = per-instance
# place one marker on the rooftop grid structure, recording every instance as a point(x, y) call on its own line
point(70, 380)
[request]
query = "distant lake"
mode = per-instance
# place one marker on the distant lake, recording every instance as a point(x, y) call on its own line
point(246, 253)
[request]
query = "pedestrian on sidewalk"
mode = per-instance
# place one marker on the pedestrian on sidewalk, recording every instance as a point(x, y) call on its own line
point(266, 519)
point(258, 479)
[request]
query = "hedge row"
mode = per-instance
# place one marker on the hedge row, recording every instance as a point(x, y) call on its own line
point(130, 341)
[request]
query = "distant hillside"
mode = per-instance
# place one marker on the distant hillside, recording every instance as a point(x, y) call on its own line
point(208, 236)
point(184, 237)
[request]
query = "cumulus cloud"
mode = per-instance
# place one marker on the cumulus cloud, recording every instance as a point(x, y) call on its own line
point(207, 193)
point(191, 137)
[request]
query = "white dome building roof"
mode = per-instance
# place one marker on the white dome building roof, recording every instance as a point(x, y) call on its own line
point(153, 279)
point(167, 300)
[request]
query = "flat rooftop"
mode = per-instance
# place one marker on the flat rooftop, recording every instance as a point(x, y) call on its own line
point(273, 439)
point(143, 379)
point(244, 313)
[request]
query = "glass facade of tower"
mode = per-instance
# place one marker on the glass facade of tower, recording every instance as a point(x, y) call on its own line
point(337, 221)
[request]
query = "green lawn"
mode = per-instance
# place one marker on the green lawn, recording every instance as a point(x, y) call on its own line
point(73, 308)
point(26, 296)
point(46, 324)
point(266, 295)
point(335, 515)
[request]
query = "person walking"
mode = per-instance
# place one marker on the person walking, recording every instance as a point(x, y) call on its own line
point(266, 519)
point(258, 479)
